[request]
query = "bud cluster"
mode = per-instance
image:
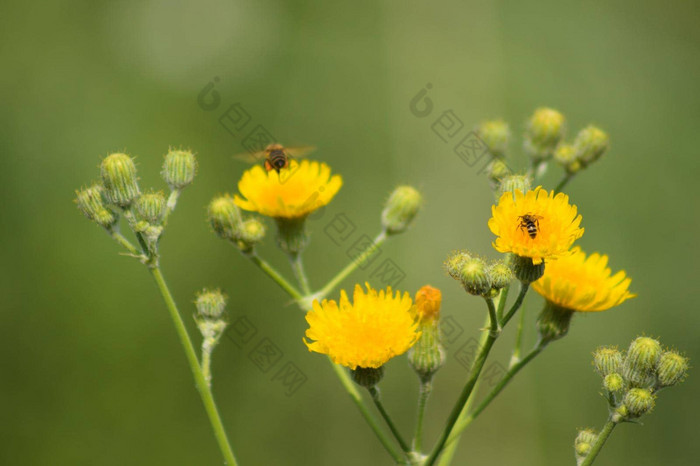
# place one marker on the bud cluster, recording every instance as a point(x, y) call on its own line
point(631, 379)
point(478, 277)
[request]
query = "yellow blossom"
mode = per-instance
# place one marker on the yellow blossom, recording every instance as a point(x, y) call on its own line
point(539, 224)
point(366, 333)
point(427, 304)
point(583, 284)
point(294, 192)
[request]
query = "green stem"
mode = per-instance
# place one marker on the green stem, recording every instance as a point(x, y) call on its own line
point(564, 181)
point(350, 387)
point(425, 389)
point(518, 347)
point(469, 387)
point(514, 369)
point(350, 268)
point(119, 238)
point(502, 298)
point(516, 305)
point(200, 381)
point(206, 366)
point(298, 268)
point(170, 205)
point(602, 438)
point(374, 392)
point(276, 276)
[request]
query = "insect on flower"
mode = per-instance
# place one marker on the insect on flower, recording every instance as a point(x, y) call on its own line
point(275, 156)
point(531, 223)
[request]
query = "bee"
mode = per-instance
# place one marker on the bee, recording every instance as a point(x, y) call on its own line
point(531, 223)
point(275, 156)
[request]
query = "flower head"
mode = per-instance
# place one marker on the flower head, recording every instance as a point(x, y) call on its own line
point(368, 332)
point(583, 284)
point(294, 192)
point(539, 224)
point(428, 300)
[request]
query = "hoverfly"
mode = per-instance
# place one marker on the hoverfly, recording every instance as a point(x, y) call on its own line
point(275, 156)
point(531, 223)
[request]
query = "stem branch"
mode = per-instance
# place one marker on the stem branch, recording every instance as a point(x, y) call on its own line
point(602, 438)
point(374, 392)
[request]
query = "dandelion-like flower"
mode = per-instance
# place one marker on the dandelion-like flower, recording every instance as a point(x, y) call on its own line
point(583, 284)
point(366, 333)
point(293, 193)
point(539, 224)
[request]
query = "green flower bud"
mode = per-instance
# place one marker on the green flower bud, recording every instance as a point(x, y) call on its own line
point(671, 368)
point(91, 204)
point(501, 274)
point(590, 144)
point(607, 360)
point(367, 377)
point(544, 131)
point(553, 322)
point(225, 217)
point(427, 356)
point(455, 261)
point(150, 208)
point(566, 156)
point(525, 271)
point(292, 235)
point(584, 441)
point(498, 170)
point(474, 277)
point(179, 168)
point(513, 183)
point(643, 354)
point(614, 383)
point(210, 304)
point(400, 209)
point(639, 401)
point(495, 134)
point(638, 378)
point(252, 232)
point(119, 179)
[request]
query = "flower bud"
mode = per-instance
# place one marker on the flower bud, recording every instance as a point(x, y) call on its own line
point(566, 156)
point(607, 360)
point(179, 168)
point(553, 322)
point(501, 275)
point(495, 134)
point(150, 208)
point(400, 209)
point(643, 354)
point(251, 233)
point(91, 204)
point(427, 303)
point(427, 355)
point(614, 383)
point(210, 304)
point(225, 217)
point(455, 261)
point(544, 131)
point(590, 144)
point(292, 235)
point(497, 170)
point(671, 368)
point(584, 442)
point(367, 377)
point(474, 277)
point(638, 401)
point(513, 183)
point(119, 179)
point(525, 271)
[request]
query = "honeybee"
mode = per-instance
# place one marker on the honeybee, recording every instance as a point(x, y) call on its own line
point(531, 223)
point(275, 156)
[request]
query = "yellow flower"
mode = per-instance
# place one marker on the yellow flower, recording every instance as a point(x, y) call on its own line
point(294, 192)
point(367, 333)
point(539, 224)
point(428, 300)
point(583, 284)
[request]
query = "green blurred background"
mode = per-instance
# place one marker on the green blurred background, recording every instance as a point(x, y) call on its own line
point(92, 370)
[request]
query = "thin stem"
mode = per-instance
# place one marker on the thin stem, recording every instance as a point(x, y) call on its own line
point(602, 438)
point(516, 305)
point(564, 181)
point(206, 366)
point(170, 205)
point(119, 238)
point(371, 421)
point(518, 347)
point(374, 392)
point(350, 268)
point(425, 389)
point(459, 428)
point(129, 216)
point(275, 275)
point(469, 387)
point(200, 381)
point(298, 268)
point(502, 298)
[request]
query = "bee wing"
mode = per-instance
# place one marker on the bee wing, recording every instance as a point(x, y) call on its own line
point(298, 152)
point(251, 157)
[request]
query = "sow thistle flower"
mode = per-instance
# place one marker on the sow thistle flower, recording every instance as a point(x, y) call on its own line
point(538, 225)
point(366, 333)
point(576, 283)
